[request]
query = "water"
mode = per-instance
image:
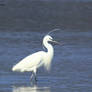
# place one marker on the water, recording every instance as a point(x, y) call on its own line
point(22, 27)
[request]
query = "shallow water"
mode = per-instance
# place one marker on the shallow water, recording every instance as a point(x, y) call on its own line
point(71, 67)
point(72, 64)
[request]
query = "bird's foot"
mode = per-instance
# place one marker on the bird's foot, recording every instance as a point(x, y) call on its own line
point(36, 79)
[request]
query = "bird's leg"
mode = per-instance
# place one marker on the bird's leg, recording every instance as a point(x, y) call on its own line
point(34, 72)
point(32, 75)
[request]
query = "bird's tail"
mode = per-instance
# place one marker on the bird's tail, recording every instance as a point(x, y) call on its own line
point(13, 68)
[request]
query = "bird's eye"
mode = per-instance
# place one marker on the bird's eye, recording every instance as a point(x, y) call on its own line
point(50, 38)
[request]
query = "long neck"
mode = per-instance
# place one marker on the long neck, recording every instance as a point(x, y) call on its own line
point(50, 53)
point(49, 48)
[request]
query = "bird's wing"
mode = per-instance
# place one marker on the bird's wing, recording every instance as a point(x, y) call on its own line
point(30, 61)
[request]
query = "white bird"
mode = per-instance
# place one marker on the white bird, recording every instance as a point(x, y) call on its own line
point(38, 59)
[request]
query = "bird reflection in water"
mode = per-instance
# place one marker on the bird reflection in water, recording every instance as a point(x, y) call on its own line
point(34, 88)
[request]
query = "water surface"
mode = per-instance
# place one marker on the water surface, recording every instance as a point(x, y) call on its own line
point(22, 28)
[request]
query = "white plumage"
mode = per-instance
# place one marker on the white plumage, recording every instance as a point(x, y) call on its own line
point(40, 58)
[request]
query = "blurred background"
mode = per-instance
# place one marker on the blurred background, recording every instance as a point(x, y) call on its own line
point(44, 15)
point(24, 23)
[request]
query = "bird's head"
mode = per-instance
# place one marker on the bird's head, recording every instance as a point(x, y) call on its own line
point(48, 38)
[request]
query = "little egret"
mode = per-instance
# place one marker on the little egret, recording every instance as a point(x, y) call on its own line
point(41, 58)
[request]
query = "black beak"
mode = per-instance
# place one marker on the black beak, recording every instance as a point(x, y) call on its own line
point(56, 42)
